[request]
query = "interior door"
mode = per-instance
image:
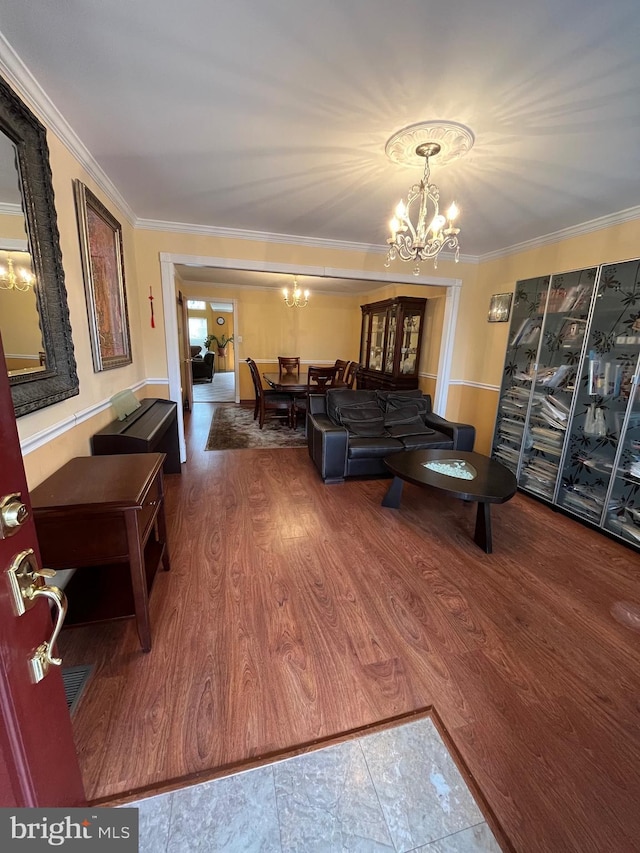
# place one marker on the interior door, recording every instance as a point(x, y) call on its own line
point(38, 761)
point(186, 375)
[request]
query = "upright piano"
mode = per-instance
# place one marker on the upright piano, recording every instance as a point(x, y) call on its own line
point(153, 428)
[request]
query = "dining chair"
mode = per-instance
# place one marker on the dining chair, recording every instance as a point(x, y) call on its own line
point(318, 380)
point(351, 373)
point(289, 364)
point(341, 367)
point(268, 401)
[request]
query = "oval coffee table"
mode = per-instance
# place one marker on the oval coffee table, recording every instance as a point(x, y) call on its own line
point(491, 483)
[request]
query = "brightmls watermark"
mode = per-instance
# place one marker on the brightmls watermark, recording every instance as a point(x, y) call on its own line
point(100, 829)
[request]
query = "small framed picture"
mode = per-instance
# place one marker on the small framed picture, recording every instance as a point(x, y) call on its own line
point(500, 307)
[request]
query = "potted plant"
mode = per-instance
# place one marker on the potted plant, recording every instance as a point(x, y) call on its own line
point(221, 343)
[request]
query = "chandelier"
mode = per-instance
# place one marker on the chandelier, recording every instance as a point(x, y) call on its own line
point(15, 279)
point(297, 299)
point(418, 230)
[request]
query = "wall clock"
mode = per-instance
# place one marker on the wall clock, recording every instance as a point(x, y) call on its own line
point(220, 321)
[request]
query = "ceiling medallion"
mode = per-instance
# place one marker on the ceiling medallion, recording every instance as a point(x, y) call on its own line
point(455, 140)
point(428, 232)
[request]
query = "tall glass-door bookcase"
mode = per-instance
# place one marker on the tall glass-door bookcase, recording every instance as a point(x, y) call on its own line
point(568, 421)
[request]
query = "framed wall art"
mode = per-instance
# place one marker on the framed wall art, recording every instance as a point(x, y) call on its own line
point(103, 271)
point(500, 307)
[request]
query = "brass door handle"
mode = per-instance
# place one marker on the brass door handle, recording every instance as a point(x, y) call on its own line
point(42, 659)
point(27, 585)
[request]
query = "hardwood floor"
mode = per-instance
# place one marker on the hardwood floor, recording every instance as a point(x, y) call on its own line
point(296, 611)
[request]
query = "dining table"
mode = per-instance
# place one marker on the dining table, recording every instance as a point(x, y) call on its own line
point(292, 383)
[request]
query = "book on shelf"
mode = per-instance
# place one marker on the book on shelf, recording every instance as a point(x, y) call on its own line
point(507, 454)
point(576, 297)
point(553, 377)
point(528, 332)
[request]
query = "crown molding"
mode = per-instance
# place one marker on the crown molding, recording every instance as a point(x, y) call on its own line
point(271, 237)
point(258, 236)
point(628, 215)
point(13, 244)
point(7, 209)
point(27, 87)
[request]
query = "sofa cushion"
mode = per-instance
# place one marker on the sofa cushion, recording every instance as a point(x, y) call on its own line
point(432, 440)
point(364, 419)
point(418, 428)
point(403, 415)
point(399, 400)
point(405, 393)
point(339, 397)
point(362, 448)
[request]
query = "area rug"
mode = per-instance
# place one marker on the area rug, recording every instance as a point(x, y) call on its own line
point(233, 428)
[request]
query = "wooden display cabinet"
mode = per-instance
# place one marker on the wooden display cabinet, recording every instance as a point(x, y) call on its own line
point(390, 343)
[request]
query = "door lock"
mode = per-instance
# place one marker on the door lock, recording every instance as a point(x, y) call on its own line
point(13, 514)
point(27, 584)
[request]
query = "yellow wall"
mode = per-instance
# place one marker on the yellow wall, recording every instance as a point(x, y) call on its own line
point(326, 329)
point(94, 388)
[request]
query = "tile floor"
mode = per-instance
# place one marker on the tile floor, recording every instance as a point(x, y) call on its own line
point(221, 390)
point(396, 790)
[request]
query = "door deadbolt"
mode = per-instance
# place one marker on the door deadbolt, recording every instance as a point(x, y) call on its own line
point(13, 514)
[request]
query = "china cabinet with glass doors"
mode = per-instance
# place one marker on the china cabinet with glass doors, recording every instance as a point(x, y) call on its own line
point(568, 421)
point(390, 343)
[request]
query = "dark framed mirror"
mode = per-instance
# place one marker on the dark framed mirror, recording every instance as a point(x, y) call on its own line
point(41, 378)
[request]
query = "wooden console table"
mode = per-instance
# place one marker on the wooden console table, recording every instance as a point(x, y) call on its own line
point(104, 516)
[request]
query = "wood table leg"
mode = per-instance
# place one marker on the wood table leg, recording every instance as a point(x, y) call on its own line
point(394, 493)
point(482, 535)
point(138, 581)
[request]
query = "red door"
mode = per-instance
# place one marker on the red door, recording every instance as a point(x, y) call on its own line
point(38, 761)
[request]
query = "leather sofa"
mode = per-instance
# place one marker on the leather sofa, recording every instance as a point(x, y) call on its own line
point(349, 433)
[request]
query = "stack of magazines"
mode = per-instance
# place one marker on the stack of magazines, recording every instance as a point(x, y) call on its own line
point(508, 455)
point(554, 377)
point(515, 401)
point(627, 525)
point(511, 430)
point(583, 500)
point(540, 476)
point(547, 440)
point(554, 411)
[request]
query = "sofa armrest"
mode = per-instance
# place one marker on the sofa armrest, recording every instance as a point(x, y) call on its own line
point(327, 444)
point(462, 435)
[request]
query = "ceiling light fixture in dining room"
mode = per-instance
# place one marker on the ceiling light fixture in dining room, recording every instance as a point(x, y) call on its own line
point(432, 232)
point(297, 299)
point(12, 278)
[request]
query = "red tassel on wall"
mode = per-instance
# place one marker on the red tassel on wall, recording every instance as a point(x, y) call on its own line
point(153, 322)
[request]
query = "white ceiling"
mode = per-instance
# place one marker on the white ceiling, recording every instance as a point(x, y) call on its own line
point(272, 115)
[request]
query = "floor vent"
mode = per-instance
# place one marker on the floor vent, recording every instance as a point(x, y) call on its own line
point(75, 680)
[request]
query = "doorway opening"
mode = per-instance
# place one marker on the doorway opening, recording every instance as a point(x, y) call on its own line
point(211, 329)
point(170, 282)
